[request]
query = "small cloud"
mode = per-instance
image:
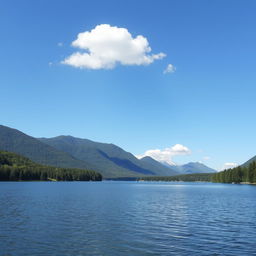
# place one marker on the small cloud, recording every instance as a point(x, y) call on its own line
point(60, 44)
point(206, 158)
point(106, 46)
point(165, 155)
point(50, 64)
point(169, 69)
point(229, 166)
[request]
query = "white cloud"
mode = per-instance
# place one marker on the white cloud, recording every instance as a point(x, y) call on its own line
point(106, 46)
point(169, 69)
point(165, 155)
point(50, 63)
point(229, 165)
point(60, 44)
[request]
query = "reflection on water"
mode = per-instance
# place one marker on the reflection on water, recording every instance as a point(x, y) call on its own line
point(126, 218)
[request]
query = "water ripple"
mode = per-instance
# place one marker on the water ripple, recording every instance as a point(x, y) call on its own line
point(118, 218)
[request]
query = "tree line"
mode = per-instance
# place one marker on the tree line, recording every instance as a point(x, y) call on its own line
point(237, 175)
point(184, 177)
point(14, 167)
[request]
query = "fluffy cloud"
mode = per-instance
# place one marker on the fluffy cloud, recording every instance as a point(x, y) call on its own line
point(105, 46)
point(166, 154)
point(169, 69)
point(229, 165)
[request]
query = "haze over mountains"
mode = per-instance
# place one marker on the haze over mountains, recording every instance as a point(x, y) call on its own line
point(192, 167)
point(110, 160)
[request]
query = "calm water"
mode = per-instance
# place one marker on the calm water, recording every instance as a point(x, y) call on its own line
point(126, 218)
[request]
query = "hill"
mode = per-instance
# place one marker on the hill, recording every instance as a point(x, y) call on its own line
point(13, 140)
point(14, 167)
point(251, 160)
point(243, 173)
point(110, 159)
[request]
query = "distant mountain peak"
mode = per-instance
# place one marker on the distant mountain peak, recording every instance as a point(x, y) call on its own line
point(191, 167)
point(197, 167)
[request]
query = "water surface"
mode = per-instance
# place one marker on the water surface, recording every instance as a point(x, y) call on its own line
point(126, 218)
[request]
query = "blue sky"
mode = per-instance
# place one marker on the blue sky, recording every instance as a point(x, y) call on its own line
point(207, 105)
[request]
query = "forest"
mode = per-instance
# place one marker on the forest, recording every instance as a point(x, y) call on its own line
point(14, 167)
point(239, 174)
point(184, 177)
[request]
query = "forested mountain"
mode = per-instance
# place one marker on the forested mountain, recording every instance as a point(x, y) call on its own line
point(244, 173)
point(109, 159)
point(14, 167)
point(253, 159)
point(70, 152)
point(66, 151)
point(13, 140)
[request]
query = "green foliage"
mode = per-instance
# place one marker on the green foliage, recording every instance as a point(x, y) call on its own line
point(253, 159)
point(185, 177)
point(12, 140)
point(237, 175)
point(14, 167)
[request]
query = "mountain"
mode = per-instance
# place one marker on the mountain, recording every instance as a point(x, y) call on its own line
point(253, 159)
point(109, 159)
point(13, 140)
point(167, 170)
point(196, 167)
point(70, 152)
point(189, 168)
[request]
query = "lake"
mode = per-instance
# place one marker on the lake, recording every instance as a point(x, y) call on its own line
point(126, 218)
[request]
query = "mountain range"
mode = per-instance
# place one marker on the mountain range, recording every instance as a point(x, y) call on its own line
point(13, 140)
point(108, 159)
point(192, 167)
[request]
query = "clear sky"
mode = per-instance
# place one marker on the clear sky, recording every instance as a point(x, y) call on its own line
point(206, 103)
